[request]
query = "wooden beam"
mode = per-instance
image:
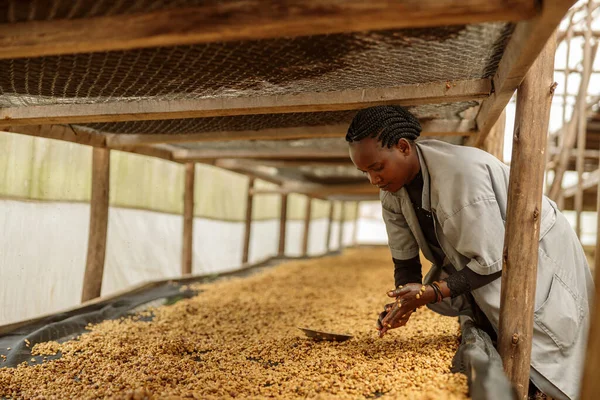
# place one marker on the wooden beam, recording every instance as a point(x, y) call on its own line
point(352, 99)
point(318, 190)
point(96, 252)
point(588, 153)
point(307, 215)
point(590, 386)
point(520, 255)
point(494, 143)
point(61, 132)
point(589, 183)
point(526, 42)
point(245, 20)
point(341, 230)
point(356, 218)
point(581, 122)
point(162, 151)
point(188, 220)
point(284, 153)
point(248, 225)
point(329, 226)
point(282, 224)
point(436, 127)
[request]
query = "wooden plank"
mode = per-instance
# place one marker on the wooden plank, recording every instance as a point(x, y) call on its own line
point(318, 190)
point(436, 127)
point(526, 42)
point(590, 385)
point(329, 226)
point(96, 252)
point(307, 216)
point(520, 254)
point(61, 132)
point(341, 230)
point(429, 93)
point(248, 225)
point(188, 220)
point(282, 224)
point(581, 122)
point(245, 20)
point(494, 143)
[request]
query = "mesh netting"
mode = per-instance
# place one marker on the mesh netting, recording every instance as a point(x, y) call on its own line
point(265, 121)
point(320, 63)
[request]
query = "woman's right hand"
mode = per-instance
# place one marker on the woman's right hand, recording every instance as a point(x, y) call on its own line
point(384, 313)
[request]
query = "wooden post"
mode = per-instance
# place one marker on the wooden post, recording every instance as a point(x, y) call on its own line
point(329, 226)
point(356, 217)
point(494, 143)
point(581, 121)
point(282, 224)
point(94, 268)
point(187, 250)
point(341, 231)
point(248, 226)
point(590, 386)
point(520, 255)
point(307, 216)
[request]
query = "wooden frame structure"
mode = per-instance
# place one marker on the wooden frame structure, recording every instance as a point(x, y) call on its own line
point(486, 96)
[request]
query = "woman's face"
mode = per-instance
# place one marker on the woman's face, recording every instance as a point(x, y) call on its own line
point(388, 169)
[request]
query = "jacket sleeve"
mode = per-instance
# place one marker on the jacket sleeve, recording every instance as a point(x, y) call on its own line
point(477, 232)
point(403, 244)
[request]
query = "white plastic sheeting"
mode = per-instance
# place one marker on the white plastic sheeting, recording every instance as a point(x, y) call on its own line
point(43, 247)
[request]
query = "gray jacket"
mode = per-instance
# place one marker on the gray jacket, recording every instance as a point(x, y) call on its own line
point(466, 189)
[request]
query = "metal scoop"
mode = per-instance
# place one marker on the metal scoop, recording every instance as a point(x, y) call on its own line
point(319, 336)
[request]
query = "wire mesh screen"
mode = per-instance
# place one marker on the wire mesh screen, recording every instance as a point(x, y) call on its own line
point(319, 63)
point(266, 121)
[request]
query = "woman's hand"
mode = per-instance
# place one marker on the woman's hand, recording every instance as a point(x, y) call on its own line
point(408, 298)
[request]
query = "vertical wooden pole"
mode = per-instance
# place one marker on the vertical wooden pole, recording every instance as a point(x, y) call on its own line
point(494, 143)
point(187, 249)
point(341, 231)
point(307, 216)
point(581, 121)
point(356, 217)
point(248, 225)
point(520, 255)
point(590, 386)
point(329, 226)
point(282, 224)
point(96, 252)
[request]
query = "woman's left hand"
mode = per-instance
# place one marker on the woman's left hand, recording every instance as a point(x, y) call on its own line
point(408, 298)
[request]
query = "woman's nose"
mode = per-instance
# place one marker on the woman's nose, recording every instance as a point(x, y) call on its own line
point(374, 179)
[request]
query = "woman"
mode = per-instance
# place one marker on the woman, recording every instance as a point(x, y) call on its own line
point(450, 202)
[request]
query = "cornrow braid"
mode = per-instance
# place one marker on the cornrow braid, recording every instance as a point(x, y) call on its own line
point(388, 124)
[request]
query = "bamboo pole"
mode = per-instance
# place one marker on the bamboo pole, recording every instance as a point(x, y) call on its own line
point(248, 226)
point(581, 122)
point(96, 252)
point(188, 220)
point(520, 258)
point(341, 230)
point(590, 386)
point(329, 226)
point(282, 224)
point(307, 215)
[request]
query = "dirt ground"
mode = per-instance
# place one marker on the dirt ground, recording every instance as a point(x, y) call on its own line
point(239, 338)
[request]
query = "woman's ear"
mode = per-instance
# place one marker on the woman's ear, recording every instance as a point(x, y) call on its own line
point(404, 147)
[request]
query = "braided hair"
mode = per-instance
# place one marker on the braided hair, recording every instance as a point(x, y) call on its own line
point(388, 124)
